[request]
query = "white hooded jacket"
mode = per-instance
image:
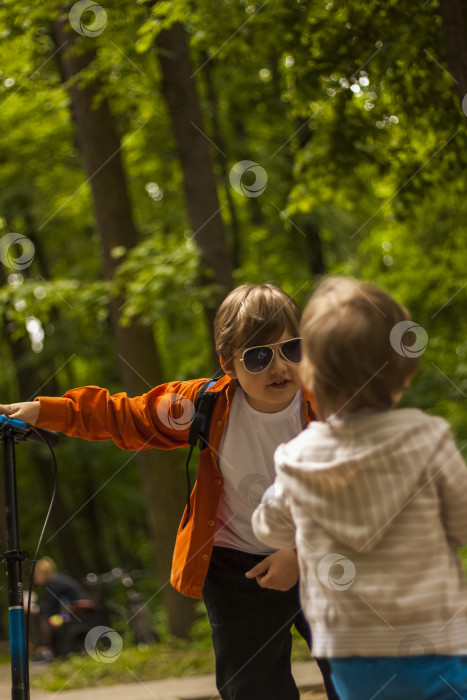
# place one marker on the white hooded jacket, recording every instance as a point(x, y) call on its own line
point(376, 505)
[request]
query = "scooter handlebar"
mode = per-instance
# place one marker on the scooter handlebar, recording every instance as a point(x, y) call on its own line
point(24, 431)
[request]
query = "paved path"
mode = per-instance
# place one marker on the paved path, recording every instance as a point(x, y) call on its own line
point(306, 674)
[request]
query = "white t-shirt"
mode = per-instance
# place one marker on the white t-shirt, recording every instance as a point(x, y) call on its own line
point(246, 460)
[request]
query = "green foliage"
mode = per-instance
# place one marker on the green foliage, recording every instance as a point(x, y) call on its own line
point(351, 111)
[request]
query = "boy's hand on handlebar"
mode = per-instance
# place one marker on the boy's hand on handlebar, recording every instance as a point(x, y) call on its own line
point(26, 410)
point(279, 570)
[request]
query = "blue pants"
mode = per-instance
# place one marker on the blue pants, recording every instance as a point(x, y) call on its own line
point(251, 631)
point(429, 677)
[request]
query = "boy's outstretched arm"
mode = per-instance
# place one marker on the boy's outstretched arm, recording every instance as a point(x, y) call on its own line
point(25, 410)
point(160, 419)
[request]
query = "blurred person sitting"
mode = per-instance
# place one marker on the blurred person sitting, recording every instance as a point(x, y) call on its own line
point(64, 598)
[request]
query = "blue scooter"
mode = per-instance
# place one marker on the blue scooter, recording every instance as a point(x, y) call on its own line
point(11, 432)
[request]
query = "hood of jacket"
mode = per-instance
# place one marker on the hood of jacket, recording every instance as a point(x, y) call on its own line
point(356, 474)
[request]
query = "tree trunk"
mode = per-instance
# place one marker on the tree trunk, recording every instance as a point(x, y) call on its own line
point(314, 248)
point(454, 15)
point(179, 88)
point(242, 139)
point(221, 155)
point(139, 363)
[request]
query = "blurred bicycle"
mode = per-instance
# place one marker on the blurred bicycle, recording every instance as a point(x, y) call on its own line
point(135, 615)
point(59, 625)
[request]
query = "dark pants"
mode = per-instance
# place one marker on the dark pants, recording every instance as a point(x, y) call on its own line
point(251, 631)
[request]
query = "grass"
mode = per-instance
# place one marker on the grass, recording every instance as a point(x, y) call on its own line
point(169, 658)
point(166, 659)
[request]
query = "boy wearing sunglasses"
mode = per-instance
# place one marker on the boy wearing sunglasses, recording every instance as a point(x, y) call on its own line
point(250, 591)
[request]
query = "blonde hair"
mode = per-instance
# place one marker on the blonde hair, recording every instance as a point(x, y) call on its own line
point(349, 362)
point(46, 567)
point(254, 314)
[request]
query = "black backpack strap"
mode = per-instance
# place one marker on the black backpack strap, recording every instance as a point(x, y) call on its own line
point(199, 430)
point(204, 406)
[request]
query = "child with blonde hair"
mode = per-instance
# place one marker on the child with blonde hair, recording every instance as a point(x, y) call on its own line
point(375, 501)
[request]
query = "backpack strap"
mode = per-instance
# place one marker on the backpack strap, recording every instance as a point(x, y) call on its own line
point(204, 406)
point(199, 430)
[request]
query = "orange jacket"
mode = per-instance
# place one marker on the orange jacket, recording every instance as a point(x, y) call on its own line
point(159, 419)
